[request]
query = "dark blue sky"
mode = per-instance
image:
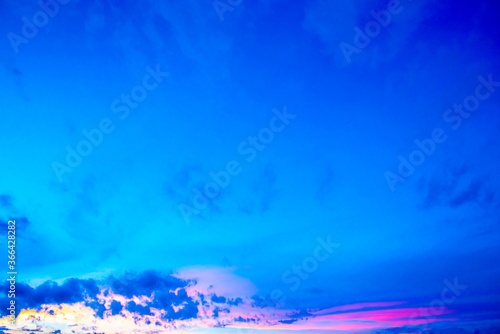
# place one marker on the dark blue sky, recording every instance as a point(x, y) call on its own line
point(224, 142)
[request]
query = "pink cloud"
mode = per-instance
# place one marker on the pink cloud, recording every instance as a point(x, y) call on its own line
point(364, 320)
point(356, 307)
point(216, 280)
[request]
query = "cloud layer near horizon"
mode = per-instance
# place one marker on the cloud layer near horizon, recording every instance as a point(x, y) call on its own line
point(153, 301)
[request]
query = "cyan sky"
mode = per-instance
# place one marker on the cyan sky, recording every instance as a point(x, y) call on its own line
point(324, 173)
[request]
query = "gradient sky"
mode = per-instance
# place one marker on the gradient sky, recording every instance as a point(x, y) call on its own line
point(318, 140)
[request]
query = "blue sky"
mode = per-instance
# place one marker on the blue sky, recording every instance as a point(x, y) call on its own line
point(388, 151)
